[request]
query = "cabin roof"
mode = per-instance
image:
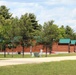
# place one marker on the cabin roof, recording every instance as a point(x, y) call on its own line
point(73, 42)
point(64, 41)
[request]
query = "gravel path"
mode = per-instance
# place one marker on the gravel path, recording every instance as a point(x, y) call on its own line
point(15, 61)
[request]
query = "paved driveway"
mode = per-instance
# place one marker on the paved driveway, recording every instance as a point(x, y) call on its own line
point(15, 61)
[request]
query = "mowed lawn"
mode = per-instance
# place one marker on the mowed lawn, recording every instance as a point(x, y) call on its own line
point(29, 56)
point(51, 68)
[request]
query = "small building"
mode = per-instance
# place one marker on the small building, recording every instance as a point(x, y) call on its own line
point(73, 46)
point(64, 45)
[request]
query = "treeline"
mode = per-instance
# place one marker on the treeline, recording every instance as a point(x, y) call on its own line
point(24, 30)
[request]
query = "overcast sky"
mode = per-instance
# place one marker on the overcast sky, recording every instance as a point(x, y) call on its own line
point(63, 12)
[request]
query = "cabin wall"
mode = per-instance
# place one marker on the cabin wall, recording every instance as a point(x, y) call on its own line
point(72, 48)
point(62, 48)
point(55, 48)
point(34, 49)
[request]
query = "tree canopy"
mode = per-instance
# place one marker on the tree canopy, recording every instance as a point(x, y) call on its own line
point(4, 11)
point(28, 28)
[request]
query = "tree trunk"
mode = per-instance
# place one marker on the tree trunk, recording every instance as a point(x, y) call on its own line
point(50, 51)
point(31, 50)
point(23, 51)
point(5, 53)
point(46, 51)
point(4, 50)
point(12, 52)
point(69, 48)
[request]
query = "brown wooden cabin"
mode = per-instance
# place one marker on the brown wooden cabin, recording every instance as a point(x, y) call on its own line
point(64, 45)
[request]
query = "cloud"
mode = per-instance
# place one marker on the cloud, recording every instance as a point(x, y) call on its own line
point(27, 8)
point(3, 3)
point(65, 2)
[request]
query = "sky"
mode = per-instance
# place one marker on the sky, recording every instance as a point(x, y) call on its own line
point(63, 12)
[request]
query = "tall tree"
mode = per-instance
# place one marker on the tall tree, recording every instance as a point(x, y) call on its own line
point(62, 33)
point(69, 32)
point(28, 28)
point(5, 25)
point(50, 34)
point(4, 11)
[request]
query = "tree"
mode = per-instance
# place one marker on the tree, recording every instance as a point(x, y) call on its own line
point(62, 33)
point(4, 32)
point(4, 11)
point(5, 24)
point(3, 43)
point(69, 32)
point(74, 36)
point(34, 22)
point(28, 29)
point(50, 34)
point(66, 32)
point(8, 30)
point(13, 33)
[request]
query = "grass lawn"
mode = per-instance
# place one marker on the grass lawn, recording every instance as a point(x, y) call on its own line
point(62, 54)
point(29, 56)
point(15, 56)
point(51, 68)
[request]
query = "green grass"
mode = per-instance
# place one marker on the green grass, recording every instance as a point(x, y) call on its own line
point(52, 68)
point(29, 56)
point(62, 54)
point(15, 56)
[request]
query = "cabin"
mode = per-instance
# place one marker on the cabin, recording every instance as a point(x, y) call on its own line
point(64, 45)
